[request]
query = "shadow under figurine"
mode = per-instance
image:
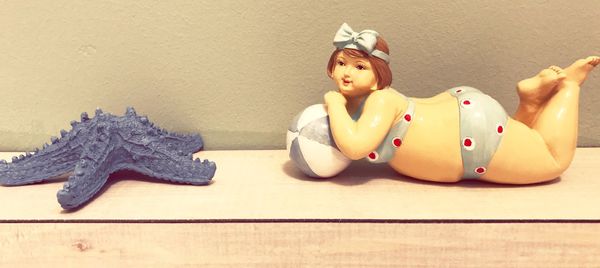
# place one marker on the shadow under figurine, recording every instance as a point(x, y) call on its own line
point(99, 146)
point(458, 134)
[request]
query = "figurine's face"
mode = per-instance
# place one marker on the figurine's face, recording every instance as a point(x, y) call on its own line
point(354, 76)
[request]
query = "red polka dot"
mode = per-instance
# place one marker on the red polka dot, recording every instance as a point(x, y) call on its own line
point(458, 90)
point(407, 117)
point(397, 142)
point(500, 129)
point(373, 155)
point(480, 170)
point(468, 142)
point(466, 102)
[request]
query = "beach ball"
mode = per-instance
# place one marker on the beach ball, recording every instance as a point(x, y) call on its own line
point(311, 146)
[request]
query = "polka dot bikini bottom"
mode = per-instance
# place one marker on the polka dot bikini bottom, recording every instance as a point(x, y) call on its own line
point(482, 125)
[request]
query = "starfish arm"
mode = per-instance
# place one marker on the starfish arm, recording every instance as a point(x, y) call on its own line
point(184, 143)
point(170, 166)
point(169, 140)
point(182, 170)
point(90, 174)
point(53, 160)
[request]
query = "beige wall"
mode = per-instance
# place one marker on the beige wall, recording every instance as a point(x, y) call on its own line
point(238, 71)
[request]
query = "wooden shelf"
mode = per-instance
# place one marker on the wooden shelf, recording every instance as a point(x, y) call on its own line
point(260, 211)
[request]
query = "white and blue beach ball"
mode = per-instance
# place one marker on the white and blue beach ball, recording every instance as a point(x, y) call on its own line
point(311, 146)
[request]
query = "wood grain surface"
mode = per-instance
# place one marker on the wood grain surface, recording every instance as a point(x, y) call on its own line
point(266, 185)
point(261, 212)
point(300, 245)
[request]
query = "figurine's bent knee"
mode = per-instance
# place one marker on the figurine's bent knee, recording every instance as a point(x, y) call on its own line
point(522, 158)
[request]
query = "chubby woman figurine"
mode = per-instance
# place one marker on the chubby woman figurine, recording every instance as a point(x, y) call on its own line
point(458, 134)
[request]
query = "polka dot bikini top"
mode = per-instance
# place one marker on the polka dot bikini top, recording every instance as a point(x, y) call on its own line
point(393, 140)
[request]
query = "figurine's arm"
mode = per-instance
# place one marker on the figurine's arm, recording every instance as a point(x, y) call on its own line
point(357, 139)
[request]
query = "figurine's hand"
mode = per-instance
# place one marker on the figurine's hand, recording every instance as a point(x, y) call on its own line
point(334, 97)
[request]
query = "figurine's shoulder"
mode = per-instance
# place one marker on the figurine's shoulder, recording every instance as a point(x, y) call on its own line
point(387, 99)
point(386, 95)
point(386, 92)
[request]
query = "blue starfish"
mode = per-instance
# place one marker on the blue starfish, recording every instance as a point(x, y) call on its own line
point(105, 144)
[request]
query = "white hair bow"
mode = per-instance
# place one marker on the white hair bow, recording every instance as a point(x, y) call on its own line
point(364, 40)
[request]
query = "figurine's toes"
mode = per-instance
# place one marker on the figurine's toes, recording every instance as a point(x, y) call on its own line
point(559, 73)
point(551, 74)
point(584, 63)
point(578, 71)
point(546, 80)
point(593, 60)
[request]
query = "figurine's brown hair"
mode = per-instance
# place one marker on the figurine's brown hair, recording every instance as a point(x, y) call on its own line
point(382, 70)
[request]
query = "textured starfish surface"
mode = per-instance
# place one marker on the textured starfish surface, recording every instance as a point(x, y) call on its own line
point(99, 146)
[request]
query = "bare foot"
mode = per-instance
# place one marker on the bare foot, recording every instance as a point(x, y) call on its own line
point(537, 90)
point(578, 71)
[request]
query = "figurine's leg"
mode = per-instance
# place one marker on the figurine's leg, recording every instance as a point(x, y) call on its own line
point(542, 152)
point(534, 92)
point(557, 121)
